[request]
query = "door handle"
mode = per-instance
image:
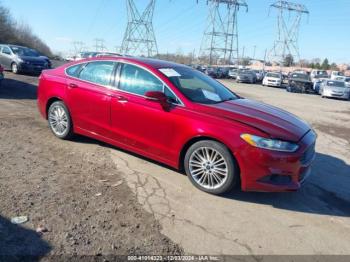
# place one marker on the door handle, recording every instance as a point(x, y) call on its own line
point(122, 99)
point(71, 85)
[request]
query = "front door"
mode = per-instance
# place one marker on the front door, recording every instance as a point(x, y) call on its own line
point(140, 123)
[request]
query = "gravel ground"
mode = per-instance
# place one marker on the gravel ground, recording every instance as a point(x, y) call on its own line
point(72, 188)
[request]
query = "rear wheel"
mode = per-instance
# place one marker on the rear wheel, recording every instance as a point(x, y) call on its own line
point(210, 167)
point(60, 121)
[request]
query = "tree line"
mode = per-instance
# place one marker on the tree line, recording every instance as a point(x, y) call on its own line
point(12, 32)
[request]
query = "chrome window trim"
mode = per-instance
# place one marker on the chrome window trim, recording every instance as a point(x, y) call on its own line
point(87, 62)
point(164, 84)
point(115, 88)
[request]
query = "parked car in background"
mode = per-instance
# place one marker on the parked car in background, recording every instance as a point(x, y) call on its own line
point(224, 72)
point(260, 74)
point(347, 81)
point(22, 59)
point(178, 116)
point(84, 55)
point(317, 75)
point(246, 76)
point(233, 73)
point(1, 74)
point(273, 79)
point(299, 83)
point(214, 72)
point(337, 75)
point(335, 89)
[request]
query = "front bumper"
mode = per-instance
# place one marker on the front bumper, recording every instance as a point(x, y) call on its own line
point(271, 171)
point(343, 95)
point(32, 68)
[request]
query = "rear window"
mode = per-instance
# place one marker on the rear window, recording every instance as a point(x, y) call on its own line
point(74, 70)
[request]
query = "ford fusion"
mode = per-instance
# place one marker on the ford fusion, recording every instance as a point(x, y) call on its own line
point(180, 117)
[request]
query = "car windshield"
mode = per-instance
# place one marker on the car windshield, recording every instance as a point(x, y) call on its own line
point(23, 51)
point(245, 72)
point(197, 86)
point(300, 76)
point(273, 75)
point(336, 83)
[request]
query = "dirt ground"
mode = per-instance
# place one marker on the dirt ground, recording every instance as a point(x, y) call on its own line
point(71, 187)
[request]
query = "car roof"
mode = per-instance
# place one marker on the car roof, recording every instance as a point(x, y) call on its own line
point(155, 63)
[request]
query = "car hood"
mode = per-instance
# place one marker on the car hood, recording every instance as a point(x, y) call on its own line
point(273, 121)
point(33, 59)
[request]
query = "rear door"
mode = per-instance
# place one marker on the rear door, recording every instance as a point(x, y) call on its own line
point(88, 92)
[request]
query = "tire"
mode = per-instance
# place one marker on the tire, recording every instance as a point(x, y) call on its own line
point(60, 121)
point(14, 68)
point(206, 176)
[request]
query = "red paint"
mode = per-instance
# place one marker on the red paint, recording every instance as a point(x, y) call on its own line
point(142, 125)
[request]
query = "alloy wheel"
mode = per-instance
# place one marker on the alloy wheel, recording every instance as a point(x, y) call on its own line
point(208, 168)
point(58, 120)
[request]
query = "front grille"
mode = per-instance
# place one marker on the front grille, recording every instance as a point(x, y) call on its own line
point(308, 156)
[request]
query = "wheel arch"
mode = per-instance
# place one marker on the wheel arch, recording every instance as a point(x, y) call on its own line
point(194, 140)
point(50, 102)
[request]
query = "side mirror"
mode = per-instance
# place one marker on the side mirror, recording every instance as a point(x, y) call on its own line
point(159, 97)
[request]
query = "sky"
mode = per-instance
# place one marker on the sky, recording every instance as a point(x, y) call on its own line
point(179, 25)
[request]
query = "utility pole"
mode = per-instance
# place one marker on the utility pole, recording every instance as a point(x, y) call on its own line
point(99, 45)
point(220, 40)
point(139, 38)
point(288, 24)
point(78, 47)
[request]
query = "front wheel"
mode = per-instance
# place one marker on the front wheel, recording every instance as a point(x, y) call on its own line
point(60, 121)
point(211, 168)
point(14, 68)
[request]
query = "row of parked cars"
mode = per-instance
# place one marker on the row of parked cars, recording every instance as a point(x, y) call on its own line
point(335, 85)
point(299, 81)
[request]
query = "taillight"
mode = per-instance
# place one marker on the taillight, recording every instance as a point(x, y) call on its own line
point(1, 69)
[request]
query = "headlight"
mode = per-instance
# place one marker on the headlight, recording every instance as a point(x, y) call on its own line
point(20, 60)
point(269, 144)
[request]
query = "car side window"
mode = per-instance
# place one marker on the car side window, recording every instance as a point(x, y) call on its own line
point(98, 72)
point(170, 95)
point(6, 50)
point(74, 70)
point(138, 81)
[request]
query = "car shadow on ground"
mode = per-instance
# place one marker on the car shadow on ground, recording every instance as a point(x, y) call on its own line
point(18, 243)
point(313, 197)
point(14, 89)
point(319, 195)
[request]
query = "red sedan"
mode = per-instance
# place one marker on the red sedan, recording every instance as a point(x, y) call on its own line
point(182, 118)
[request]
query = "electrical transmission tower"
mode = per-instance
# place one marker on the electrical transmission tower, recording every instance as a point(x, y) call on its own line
point(288, 19)
point(139, 38)
point(99, 45)
point(220, 40)
point(78, 47)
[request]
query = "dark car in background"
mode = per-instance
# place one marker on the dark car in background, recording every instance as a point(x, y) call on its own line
point(22, 59)
point(214, 72)
point(299, 83)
